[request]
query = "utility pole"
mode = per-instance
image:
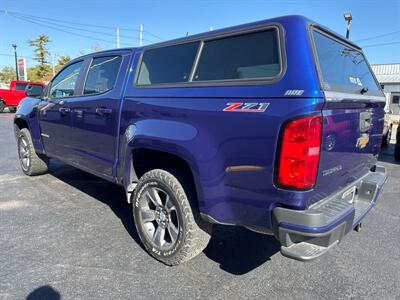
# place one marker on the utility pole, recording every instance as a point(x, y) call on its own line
point(117, 37)
point(16, 60)
point(141, 35)
point(348, 17)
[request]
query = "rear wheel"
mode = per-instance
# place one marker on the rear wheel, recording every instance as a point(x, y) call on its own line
point(12, 109)
point(164, 219)
point(31, 163)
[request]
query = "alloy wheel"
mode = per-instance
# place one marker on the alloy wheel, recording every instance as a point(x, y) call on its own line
point(159, 219)
point(24, 153)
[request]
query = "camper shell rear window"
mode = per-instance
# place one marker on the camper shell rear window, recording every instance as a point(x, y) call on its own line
point(342, 67)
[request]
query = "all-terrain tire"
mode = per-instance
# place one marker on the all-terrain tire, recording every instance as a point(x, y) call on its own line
point(190, 239)
point(32, 163)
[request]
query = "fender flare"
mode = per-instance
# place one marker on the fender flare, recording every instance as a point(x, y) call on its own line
point(160, 135)
point(27, 112)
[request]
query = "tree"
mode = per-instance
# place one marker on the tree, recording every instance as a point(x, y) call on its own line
point(33, 73)
point(41, 54)
point(62, 60)
point(7, 74)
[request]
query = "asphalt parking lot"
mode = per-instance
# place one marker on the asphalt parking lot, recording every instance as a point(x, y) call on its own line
point(69, 234)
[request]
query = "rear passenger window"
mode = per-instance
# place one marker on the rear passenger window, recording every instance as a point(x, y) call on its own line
point(103, 72)
point(246, 56)
point(171, 64)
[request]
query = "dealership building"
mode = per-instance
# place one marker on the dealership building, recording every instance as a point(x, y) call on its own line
point(388, 76)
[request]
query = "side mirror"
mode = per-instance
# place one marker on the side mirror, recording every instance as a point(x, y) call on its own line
point(34, 90)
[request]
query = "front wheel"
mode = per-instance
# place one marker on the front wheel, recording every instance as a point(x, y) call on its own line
point(164, 219)
point(31, 163)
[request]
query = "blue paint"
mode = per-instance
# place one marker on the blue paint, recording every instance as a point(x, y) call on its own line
point(232, 155)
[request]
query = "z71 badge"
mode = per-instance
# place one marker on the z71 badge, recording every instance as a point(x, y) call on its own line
point(255, 107)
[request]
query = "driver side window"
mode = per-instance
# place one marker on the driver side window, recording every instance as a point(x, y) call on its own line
point(64, 84)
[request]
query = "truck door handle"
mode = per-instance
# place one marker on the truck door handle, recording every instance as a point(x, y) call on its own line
point(101, 111)
point(64, 110)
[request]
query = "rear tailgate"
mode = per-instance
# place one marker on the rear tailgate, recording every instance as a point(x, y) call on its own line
point(353, 115)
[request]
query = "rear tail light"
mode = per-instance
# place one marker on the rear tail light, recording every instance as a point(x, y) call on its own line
point(299, 155)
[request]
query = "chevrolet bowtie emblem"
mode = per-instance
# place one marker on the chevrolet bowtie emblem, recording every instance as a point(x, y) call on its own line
point(362, 141)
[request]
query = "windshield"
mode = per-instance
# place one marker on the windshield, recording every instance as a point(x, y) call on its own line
point(343, 68)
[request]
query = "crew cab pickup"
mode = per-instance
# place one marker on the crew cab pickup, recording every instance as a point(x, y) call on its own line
point(275, 126)
point(12, 97)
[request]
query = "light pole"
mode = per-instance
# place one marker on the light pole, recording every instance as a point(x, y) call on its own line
point(348, 17)
point(16, 62)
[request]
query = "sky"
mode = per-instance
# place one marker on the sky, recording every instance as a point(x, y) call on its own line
point(163, 20)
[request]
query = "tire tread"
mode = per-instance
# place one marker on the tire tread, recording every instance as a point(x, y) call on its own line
point(196, 239)
point(39, 163)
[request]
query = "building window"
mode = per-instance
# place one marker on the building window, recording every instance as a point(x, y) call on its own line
point(395, 99)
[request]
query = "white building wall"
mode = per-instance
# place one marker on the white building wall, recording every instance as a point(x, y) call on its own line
point(388, 89)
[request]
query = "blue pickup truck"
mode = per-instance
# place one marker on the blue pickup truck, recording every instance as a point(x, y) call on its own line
point(275, 126)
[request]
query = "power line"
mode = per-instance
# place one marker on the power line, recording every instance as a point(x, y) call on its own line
point(80, 29)
point(57, 20)
point(382, 44)
point(379, 36)
point(65, 31)
point(90, 31)
point(59, 27)
point(38, 19)
point(21, 56)
point(77, 23)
